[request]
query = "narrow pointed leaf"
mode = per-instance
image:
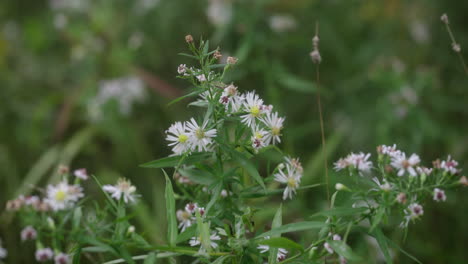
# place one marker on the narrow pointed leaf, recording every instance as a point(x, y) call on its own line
point(170, 212)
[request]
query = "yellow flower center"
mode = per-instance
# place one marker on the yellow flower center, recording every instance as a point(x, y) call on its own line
point(183, 138)
point(255, 111)
point(258, 135)
point(292, 182)
point(200, 134)
point(276, 131)
point(60, 195)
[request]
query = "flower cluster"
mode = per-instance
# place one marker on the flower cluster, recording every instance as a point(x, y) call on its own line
point(402, 179)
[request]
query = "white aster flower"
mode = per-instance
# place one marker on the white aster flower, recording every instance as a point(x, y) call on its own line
point(185, 219)
point(449, 165)
point(391, 151)
point(424, 170)
point(291, 178)
point(195, 241)
point(439, 195)
point(81, 174)
point(123, 189)
point(62, 258)
point(253, 105)
point(258, 138)
point(280, 256)
point(44, 254)
point(179, 137)
point(3, 252)
point(341, 164)
point(28, 233)
point(402, 164)
point(336, 237)
point(182, 69)
point(199, 137)
point(360, 161)
point(231, 98)
point(63, 196)
point(274, 125)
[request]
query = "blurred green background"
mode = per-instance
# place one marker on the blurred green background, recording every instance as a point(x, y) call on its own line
point(86, 83)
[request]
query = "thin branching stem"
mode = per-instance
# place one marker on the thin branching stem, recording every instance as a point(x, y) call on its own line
point(454, 42)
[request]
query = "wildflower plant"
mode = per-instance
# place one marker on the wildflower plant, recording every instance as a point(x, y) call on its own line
point(216, 175)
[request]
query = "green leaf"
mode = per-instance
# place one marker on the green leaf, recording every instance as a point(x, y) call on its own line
point(178, 99)
point(344, 211)
point(151, 259)
point(221, 260)
point(293, 227)
point(248, 166)
point(188, 55)
point(342, 249)
point(216, 191)
point(381, 240)
point(173, 161)
point(281, 242)
point(170, 212)
point(77, 214)
point(393, 244)
point(187, 234)
point(377, 218)
point(198, 176)
point(277, 222)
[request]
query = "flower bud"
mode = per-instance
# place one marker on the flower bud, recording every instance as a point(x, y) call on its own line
point(315, 56)
point(217, 55)
point(62, 169)
point(189, 39)
point(130, 230)
point(456, 47)
point(51, 223)
point(401, 198)
point(463, 181)
point(231, 60)
point(444, 18)
point(341, 187)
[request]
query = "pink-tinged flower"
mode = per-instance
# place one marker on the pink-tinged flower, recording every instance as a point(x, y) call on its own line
point(424, 170)
point(258, 138)
point(44, 254)
point(358, 161)
point(449, 165)
point(122, 190)
point(439, 195)
point(328, 248)
point(28, 233)
point(402, 164)
point(62, 258)
point(182, 69)
point(81, 174)
point(391, 151)
point(401, 198)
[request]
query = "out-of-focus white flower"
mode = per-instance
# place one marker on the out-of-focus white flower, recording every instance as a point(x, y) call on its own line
point(402, 164)
point(391, 151)
point(125, 91)
point(3, 251)
point(136, 40)
point(449, 165)
point(62, 258)
point(274, 125)
point(403, 99)
point(201, 77)
point(439, 195)
point(336, 237)
point(178, 135)
point(292, 179)
point(424, 170)
point(340, 187)
point(44, 254)
point(123, 189)
point(182, 69)
point(200, 137)
point(282, 23)
point(63, 196)
point(219, 12)
point(328, 248)
point(28, 233)
point(401, 198)
point(253, 105)
point(69, 5)
point(81, 174)
point(60, 21)
point(419, 31)
point(358, 161)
